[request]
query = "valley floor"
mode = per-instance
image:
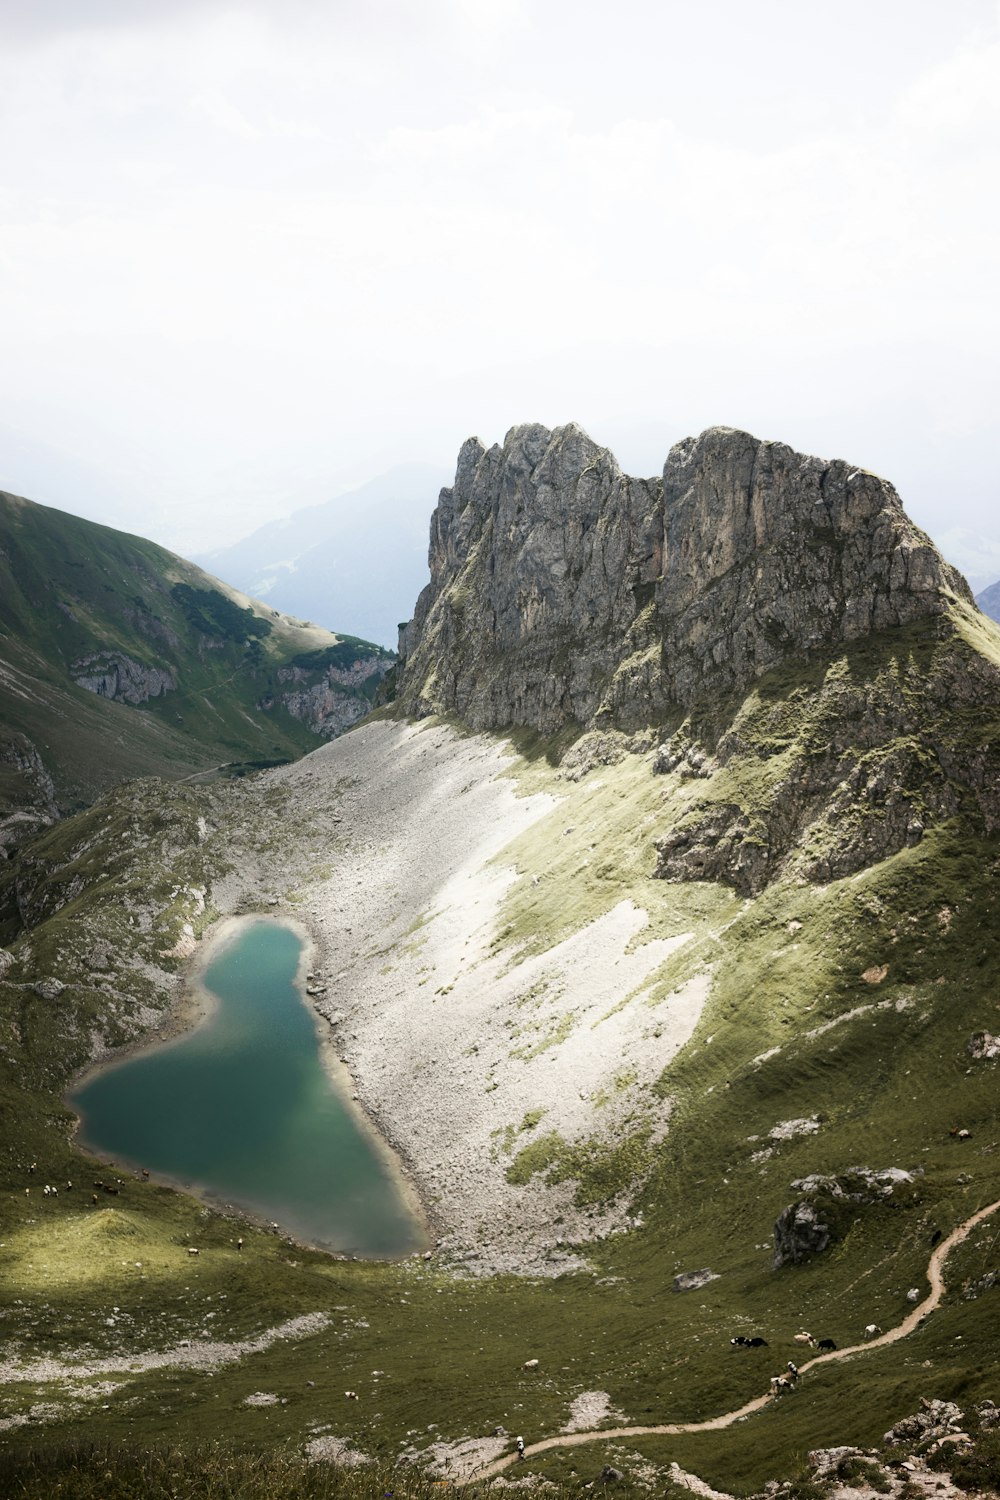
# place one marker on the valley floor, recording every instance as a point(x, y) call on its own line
point(596, 1081)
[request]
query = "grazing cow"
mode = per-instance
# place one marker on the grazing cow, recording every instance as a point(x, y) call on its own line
point(872, 1331)
point(192, 1250)
point(530, 1364)
point(804, 1338)
point(935, 1237)
point(826, 1344)
point(351, 1395)
point(781, 1384)
point(793, 1371)
point(742, 1342)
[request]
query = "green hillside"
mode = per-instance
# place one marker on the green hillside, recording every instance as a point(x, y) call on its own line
point(178, 664)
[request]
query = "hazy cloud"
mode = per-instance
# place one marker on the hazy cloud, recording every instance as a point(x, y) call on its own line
point(250, 253)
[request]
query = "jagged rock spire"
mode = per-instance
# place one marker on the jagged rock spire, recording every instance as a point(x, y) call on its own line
point(564, 590)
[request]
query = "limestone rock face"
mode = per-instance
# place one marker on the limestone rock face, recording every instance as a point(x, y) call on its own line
point(542, 556)
point(112, 674)
point(563, 590)
point(332, 700)
point(34, 794)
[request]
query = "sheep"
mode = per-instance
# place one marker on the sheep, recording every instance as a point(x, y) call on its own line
point(826, 1344)
point(872, 1331)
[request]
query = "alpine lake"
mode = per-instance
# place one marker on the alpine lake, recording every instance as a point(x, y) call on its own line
point(242, 1109)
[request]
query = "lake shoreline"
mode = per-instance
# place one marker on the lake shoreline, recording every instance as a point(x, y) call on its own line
point(195, 1006)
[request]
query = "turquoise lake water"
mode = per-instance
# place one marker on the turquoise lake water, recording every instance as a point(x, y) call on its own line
point(242, 1109)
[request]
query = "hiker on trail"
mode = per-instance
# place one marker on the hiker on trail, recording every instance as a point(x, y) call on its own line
point(519, 1443)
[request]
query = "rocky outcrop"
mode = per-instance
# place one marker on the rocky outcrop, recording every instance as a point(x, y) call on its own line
point(330, 697)
point(821, 1216)
point(693, 1281)
point(563, 590)
point(112, 674)
point(935, 1420)
point(28, 793)
point(774, 621)
point(799, 1233)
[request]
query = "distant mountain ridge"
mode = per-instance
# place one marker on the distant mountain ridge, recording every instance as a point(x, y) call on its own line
point(358, 560)
point(989, 601)
point(118, 659)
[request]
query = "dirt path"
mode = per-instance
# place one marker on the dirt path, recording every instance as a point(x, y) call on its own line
point(715, 1424)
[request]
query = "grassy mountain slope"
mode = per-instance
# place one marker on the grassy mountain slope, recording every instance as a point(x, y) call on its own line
point(177, 663)
point(834, 1036)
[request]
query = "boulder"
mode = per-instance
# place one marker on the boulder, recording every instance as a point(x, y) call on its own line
point(799, 1234)
point(690, 1281)
point(48, 989)
point(935, 1420)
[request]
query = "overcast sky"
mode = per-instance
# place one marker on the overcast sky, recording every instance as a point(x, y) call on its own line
point(254, 253)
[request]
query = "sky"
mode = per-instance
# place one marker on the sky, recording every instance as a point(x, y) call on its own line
point(253, 254)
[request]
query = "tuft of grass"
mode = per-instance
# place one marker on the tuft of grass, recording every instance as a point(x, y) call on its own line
point(126, 1471)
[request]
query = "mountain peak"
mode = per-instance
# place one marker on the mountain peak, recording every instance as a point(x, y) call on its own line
point(564, 590)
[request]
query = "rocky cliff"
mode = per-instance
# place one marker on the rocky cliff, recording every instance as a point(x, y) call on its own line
point(112, 674)
point(774, 624)
point(564, 590)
